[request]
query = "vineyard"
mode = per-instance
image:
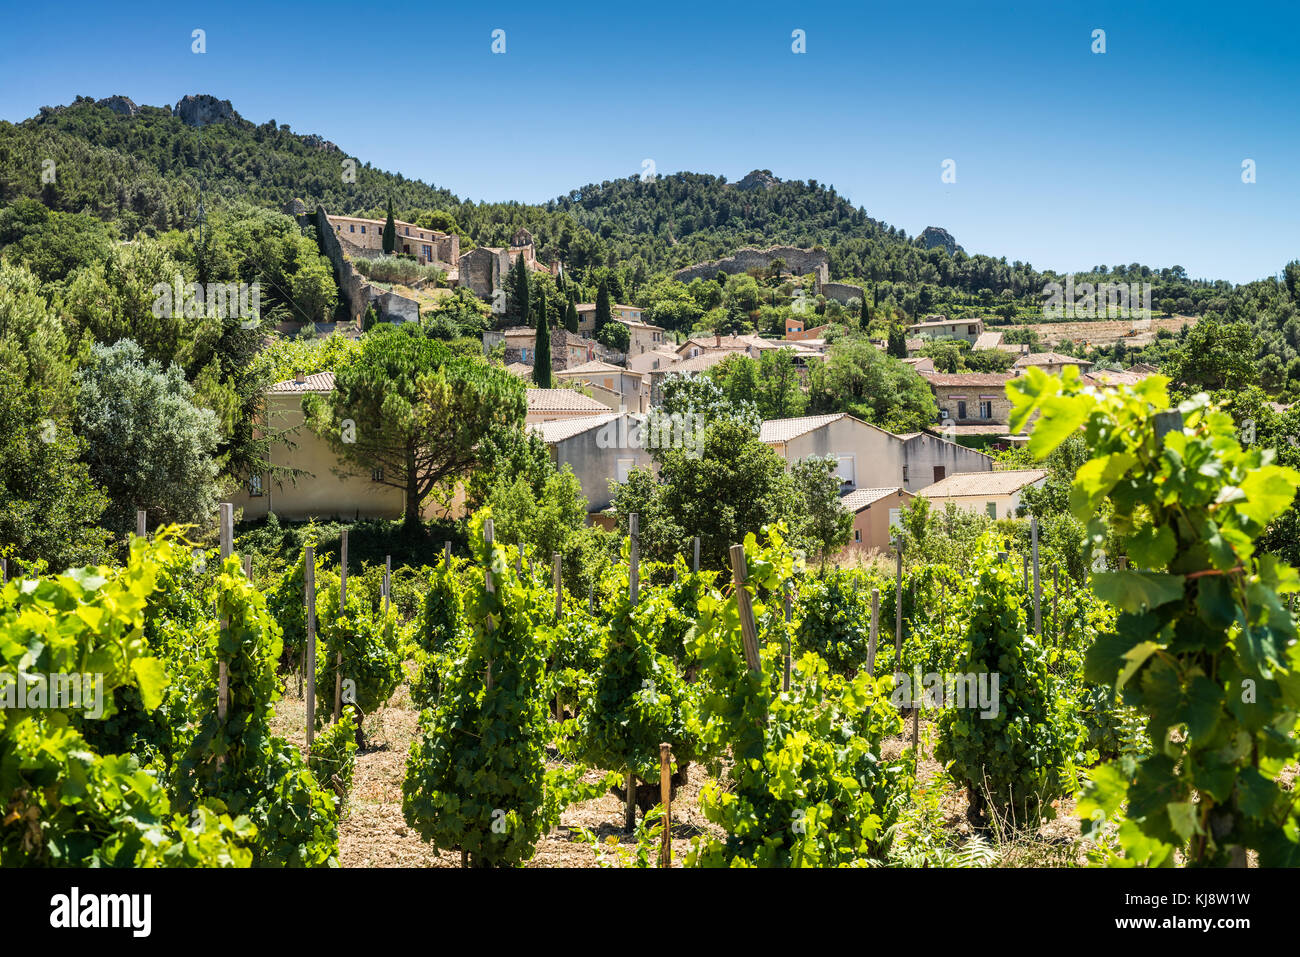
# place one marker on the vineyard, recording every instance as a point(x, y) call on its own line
point(998, 708)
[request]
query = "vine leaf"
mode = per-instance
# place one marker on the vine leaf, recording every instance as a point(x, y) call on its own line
point(1137, 591)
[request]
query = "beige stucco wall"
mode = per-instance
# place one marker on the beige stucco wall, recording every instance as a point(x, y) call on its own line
point(322, 494)
point(924, 452)
point(595, 466)
point(1006, 504)
point(871, 524)
point(877, 455)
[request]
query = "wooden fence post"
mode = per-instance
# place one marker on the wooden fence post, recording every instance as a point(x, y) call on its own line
point(141, 523)
point(666, 795)
point(309, 651)
point(226, 536)
point(1038, 585)
point(343, 604)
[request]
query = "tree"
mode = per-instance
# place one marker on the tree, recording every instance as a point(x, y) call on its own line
point(825, 523)
point(418, 417)
point(1215, 355)
point(780, 394)
point(897, 341)
point(521, 303)
point(571, 317)
point(542, 348)
point(148, 444)
point(390, 231)
point(603, 310)
point(615, 336)
point(858, 378)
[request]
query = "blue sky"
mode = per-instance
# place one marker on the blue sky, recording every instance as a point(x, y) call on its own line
point(1065, 158)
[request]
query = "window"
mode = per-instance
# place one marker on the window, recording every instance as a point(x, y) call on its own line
point(255, 486)
point(895, 518)
point(363, 229)
point(857, 534)
point(428, 251)
point(904, 474)
point(970, 330)
point(624, 467)
point(408, 230)
point(992, 509)
point(352, 227)
point(376, 475)
point(986, 410)
point(844, 469)
point(523, 355)
point(940, 472)
point(961, 410)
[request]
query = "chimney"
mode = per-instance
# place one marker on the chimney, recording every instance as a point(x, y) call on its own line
point(717, 340)
point(298, 376)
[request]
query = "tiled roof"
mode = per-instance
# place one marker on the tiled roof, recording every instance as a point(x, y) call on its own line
point(783, 430)
point(968, 484)
point(987, 340)
point(596, 366)
point(860, 498)
point(702, 362)
point(978, 380)
point(1050, 359)
point(316, 382)
point(562, 400)
point(562, 429)
point(520, 369)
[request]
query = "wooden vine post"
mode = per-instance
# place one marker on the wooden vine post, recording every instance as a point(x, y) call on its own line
point(1038, 585)
point(898, 607)
point(309, 649)
point(633, 591)
point(558, 584)
point(141, 523)
point(489, 536)
point(875, 631)
point(226, 537)
point(789, 615)
point(4, 570)
point(1056, 591)
point(665, 796)
point(388, 583)
point(695, 548)
point(446, 553)
point(748, 629)
point(343, 604)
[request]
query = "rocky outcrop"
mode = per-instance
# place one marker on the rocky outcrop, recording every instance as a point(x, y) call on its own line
point(798, 261)
point(119, 104)
point(936, 237)
point(758, 179)
point(203, 109)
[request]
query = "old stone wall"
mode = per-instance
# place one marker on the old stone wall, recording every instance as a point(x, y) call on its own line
point(798, 261)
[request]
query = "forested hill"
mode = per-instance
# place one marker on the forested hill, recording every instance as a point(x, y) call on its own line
point(140, 167)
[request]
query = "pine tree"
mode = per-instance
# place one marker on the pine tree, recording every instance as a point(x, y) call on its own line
point(542, 346)
point(571, 317)
point(521, 290)
point(603, 311)
point(897, 341)
point(390, 230)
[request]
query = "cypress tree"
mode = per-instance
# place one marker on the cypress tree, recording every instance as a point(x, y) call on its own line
point(521, 289)
point(390, 230)
point(603, 311)
point(542, 346)
point(571, 317)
